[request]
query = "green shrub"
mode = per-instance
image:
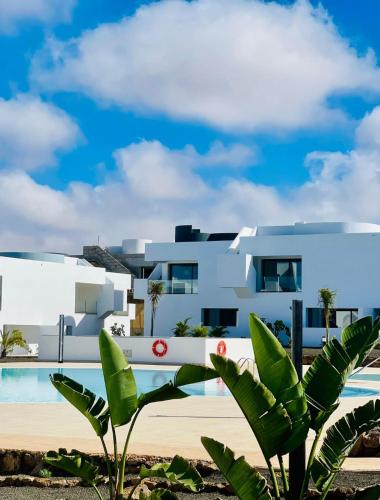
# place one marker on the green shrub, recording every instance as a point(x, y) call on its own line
point(218, 331)
point(199, 331)
point(182, 328)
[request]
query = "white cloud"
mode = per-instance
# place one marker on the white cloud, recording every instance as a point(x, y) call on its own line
point(158, 188)
point(234, 64)
point(31, 131)
point(14, 12)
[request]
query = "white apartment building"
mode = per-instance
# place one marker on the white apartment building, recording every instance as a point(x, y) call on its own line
point(219, 279)
point(35, 288)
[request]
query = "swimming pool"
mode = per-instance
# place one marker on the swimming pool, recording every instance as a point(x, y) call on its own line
point(32, 385)
point(372, 377)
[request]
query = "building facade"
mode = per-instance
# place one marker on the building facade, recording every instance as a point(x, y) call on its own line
point(219, 279)
point(36, 288)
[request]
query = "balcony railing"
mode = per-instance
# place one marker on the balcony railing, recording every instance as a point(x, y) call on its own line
point(280, 284)
point(179, 286)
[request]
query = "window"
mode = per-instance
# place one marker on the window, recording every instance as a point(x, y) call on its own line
point(219, 317)
point(339, 318)
point(86, 297)
point(281, 275)
point(184, 278)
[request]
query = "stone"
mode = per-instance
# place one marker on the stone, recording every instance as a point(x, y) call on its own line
point(11, 463)
point(357, 449)
point(372, 439)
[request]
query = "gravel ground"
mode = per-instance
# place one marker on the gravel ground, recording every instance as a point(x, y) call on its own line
point(345, 479)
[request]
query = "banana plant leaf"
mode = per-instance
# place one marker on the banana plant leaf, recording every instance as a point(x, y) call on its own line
point(84, 400)
point(268, 420)
point(278, 373)
point(340, 439)
point(360, 338)
point(325, 380)
point(158, 494)
point(179, 471)
point(370, 493)
point(76, 465)
point(187, 374)
point(119, 381)
point(247, 483)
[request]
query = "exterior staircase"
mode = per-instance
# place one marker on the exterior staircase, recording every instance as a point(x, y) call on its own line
point(102, 258)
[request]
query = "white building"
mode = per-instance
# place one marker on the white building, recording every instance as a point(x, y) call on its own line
point(220, 279)
point(36, 288)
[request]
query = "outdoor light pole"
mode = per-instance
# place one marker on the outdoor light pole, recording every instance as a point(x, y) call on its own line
point(297, 458)
point(61, 334)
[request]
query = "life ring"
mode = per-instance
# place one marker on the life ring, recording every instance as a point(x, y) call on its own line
point(221, 348)
point(159, 348)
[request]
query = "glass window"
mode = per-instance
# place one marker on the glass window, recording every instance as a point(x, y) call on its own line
point(339, 318)
point(281, 275)
point(219, 317)
point(183, 278)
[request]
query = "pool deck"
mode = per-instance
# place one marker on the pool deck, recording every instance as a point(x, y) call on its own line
point(162, 429)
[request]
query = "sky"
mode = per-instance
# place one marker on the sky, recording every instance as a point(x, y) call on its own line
point(121, 119)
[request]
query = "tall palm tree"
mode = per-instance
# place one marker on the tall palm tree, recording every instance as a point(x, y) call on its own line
point(155, 291)
point(327, 301)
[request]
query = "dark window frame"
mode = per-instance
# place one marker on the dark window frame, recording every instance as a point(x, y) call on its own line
point(208, 321)
point(289, 260)
point(322, 323)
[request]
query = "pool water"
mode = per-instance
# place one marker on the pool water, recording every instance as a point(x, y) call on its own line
point(32, 385)
point(372, 377)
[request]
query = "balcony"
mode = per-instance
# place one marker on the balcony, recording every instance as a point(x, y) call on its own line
point(178, 287)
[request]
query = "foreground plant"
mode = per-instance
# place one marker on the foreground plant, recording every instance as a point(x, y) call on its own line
point(281, 409)
point(123, 407)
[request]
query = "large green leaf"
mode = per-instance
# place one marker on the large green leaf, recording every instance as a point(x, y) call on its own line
point(247, 483)
point(119, 381)
point(325, 380)
point(360, 338)
point(73, 464)
point(192, 374)
point(278, 373)
point(268, 420)
point(340, 439)
point(163, 393)
point(179, 471)
point(187, 374)
point(370, 493)
point(84, 400)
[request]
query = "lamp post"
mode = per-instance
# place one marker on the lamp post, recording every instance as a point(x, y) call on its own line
point(297, 458)
point(61, 333)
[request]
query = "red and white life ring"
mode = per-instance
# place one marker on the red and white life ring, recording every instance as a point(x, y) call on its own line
point(159, 348)
point(221, 348)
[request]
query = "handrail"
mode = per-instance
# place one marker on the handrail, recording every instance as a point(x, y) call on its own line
point(242, 361)
point(362, 367)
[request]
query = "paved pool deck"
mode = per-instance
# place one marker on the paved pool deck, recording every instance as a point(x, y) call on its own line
point(162, 429)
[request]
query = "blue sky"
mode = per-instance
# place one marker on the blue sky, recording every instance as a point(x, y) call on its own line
point(141, 115)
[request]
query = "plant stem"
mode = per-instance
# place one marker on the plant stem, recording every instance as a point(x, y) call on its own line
point(97, 492)
point(115, 454)
point(109, 471)
point(310, 461)
point(283, 475)
point(274, 480)
point(327, 486)
point(133, 490)
point(124, 456)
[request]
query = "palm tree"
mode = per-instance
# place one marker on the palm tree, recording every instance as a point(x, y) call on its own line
point(327, 301)
point(155, 291)
point(10, 340)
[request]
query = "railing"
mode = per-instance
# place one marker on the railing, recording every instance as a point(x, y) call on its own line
point(248, 363)
point(280, 284)
point(179, 286)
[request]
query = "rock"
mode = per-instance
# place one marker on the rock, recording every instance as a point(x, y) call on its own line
point(205, 468)
point(136, 494)
point(11, 463)
point(372, 439)
point(357, 450)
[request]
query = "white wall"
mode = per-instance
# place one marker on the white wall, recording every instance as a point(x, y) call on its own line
point(36, 292)
point(347, 263)
point(139, 349)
